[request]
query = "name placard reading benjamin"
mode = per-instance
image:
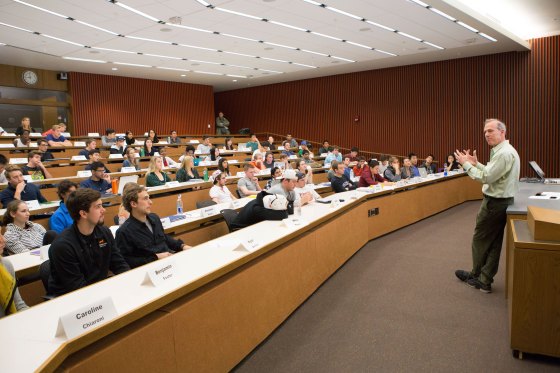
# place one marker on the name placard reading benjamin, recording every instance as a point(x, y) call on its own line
point(161, 272)
point(85, 318)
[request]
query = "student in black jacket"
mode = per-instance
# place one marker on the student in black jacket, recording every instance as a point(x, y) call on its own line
point(83, 253)
point(141, 238)
point(339, 181)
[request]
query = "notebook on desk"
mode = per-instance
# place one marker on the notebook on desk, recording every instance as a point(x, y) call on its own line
point(540, 174)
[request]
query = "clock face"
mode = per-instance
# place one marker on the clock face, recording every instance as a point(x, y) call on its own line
point(29, 77)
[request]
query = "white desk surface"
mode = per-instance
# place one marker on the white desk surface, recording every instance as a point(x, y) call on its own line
point(30, 335)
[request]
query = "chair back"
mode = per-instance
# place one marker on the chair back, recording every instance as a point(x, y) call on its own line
point(202, 204)
point(229, 216)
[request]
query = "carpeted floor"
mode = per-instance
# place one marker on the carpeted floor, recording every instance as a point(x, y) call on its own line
point(397, 306)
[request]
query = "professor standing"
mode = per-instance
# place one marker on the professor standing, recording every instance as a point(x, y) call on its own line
point(500, 179)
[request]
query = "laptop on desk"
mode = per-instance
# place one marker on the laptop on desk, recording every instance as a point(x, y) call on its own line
point(423, 172)
point(540, 174)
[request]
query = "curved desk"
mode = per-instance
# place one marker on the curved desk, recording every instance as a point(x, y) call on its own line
point(223, 302)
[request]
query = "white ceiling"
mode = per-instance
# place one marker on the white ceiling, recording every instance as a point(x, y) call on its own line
point(240, 51)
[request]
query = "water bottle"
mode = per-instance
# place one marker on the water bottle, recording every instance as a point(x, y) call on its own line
point(205, 174)
point(179, 205)
point(142, 152)
point(445, 169)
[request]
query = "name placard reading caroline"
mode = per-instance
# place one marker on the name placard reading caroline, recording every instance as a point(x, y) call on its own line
point(85, 318)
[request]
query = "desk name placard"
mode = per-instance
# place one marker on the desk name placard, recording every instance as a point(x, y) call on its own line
point(249, 245)
point(161, 273)
point(209, 211)
point(85, 318)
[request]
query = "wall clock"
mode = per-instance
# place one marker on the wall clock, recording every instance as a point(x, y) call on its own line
point(29, 77)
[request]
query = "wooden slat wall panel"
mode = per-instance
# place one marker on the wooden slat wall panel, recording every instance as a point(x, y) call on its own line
point(433, 107)
point(102, 101)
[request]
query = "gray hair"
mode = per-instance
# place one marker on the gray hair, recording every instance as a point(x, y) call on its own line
point(501, 126)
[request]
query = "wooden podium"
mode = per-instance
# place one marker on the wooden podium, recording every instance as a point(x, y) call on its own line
point(533, 281)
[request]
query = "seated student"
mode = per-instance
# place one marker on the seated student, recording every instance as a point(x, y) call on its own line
point(152, 135)
point(414, 164)
point(305, 147)
point(18, 188)
point(95, 156)
point(257, 162)
point(253, 144)
point(452, 163)
point(383, 163)
point(428, 164)
point(287, 149)
point(43, 146)
point(293, 142)
point(220, 192)
point(189, 151)
point(61, 219)
point(229, 144)
point(307, 158)
point(270, 141)
point(22, 234)
point(249, 184)
point(110, 138)
point(130, 140)
point(84, 253)
point(268, 160)
point(330, 173)
point(286, 188)
point(393, 171)
point(264, 207)
point(167, 161)
point(173, 139)
point(155, 176)
point(303, 188)
point(99, 180)
point(334, 155)
point(223, 166)
point(51, 130)
point(56, 139)
point(35, 167)
point(3, 163)
point(130, 159)
point(25, 126)
point(359, 168)
point(285, 161)
point(148, 150)
point(119, 147)
point(140, 238)
point(214, 155)
point(370, 175)
point(406, 170)
point(325, 149)
point(347, 167)
point(305, 169)
point(340, 182)
point(91, 144)
point(275, 174)
point(353, 155)
point(23, 141)
point(205, 146)
point(10, 299)
point(186, 170)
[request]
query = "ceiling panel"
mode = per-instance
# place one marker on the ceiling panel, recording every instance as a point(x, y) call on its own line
point(400, 14)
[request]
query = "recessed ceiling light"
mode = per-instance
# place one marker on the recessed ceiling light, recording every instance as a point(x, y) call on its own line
point(335, 61)
point(265, 73)
point(234, 80)
point(114, 68)
point(422, 48)
point(94, 52)
point(195, 64)
point(183, 74)
point(165, 29)
point(268, 48)
point(365, 29)
point(470, 41)
point(269, 1)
